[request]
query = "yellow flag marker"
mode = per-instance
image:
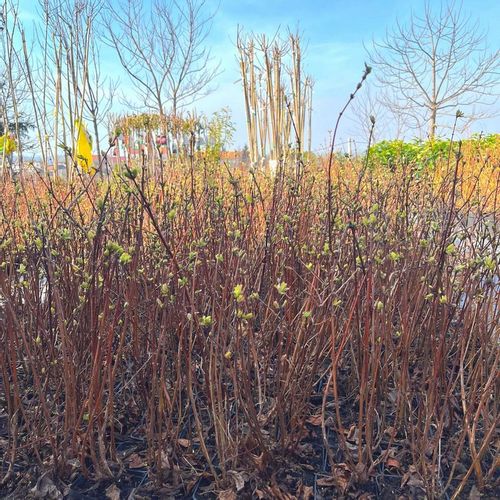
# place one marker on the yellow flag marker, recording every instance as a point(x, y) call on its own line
point(83, 147)
point(7, 143)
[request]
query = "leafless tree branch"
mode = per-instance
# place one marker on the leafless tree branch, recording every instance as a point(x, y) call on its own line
point(437, 61)
point(163, 50)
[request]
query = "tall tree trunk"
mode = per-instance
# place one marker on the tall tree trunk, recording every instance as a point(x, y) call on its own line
point(432, 122)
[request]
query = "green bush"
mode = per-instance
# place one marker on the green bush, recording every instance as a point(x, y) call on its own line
point(424, 154)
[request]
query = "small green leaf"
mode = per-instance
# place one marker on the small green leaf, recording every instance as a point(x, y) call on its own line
point(125, 258)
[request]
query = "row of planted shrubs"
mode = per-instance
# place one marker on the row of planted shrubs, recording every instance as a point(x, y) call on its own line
point(211, 316)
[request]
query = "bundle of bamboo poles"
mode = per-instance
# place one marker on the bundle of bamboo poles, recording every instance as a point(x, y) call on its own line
point(278, 110)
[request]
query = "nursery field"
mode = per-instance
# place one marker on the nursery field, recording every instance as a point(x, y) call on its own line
point(229, 332)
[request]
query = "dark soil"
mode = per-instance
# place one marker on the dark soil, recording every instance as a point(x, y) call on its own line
point(304, 473)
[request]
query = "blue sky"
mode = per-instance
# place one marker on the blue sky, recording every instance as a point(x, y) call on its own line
point(333, 31)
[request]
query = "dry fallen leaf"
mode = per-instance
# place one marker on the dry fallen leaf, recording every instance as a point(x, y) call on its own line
point(46, 489)
point(185, 443)
point(474, 493)
point(274, 491)
point(165, 460)
point(259, 461)
point(305, 492)
point(412, 478)
point(315, 420)
point(135, 461)
point(227, 495)
point(340, 478)
point(392, 462)
point(113, 492)
point(352, 433)
point(326, 481)
point(239, 479)
point(361, 471)
point(392, 431)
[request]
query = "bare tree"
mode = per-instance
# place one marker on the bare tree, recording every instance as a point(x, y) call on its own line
point(70, 23)
point(13, 91)
point(372, 103)
point(436, 63)
point(163, 50)
point(65, 75)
